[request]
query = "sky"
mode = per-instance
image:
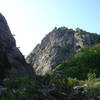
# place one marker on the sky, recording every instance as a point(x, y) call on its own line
point(31, 20)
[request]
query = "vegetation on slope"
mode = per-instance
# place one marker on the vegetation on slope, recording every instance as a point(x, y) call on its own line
point(47, 88)
point(74, 79)
point(79, 65)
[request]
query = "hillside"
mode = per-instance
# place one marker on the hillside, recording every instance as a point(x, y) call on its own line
point(79, 65)
point(57, 46)
point(77, 78)
point(67, 66)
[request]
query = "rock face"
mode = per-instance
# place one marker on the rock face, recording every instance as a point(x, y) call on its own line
point(12, 62)
point(57, 46)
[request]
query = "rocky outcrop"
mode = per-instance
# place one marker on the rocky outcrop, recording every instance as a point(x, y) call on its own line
point(12, 62)
point(57, 46)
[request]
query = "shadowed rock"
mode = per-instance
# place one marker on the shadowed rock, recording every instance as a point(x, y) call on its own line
point(12, 62)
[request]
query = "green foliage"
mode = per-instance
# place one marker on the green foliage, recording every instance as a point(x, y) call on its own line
point(92, 89)
point(73, 82)
point(79, 65)
point(59, 81)
point(79, 70)
point(54, 87)
point(12, 83)
point(91, 76)
point(97, 85)
point(8, 96)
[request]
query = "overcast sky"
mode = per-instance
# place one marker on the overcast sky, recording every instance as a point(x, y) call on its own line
point(31, 20)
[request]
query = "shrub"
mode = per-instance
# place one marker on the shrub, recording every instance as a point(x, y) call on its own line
point(73, 81)
point(91, 76)
point(97, 85)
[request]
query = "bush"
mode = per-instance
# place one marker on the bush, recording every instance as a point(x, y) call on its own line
point(73, 81)
point(79, 65)
point(97, 85)
point(91, 76)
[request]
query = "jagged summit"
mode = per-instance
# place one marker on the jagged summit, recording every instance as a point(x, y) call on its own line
point(12, 62)
point(57, 46)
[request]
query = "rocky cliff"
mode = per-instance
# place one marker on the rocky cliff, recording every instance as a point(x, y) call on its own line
point(12, 62)
point(57, 46)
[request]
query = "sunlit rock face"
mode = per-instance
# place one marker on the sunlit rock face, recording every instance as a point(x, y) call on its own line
point(57, 46)
point(12, 62)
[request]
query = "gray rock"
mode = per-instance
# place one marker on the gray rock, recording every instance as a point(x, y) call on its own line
point(97, 80)
point(97, 97)
point(57, 46)
point(12, 62)
point(2, 91)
